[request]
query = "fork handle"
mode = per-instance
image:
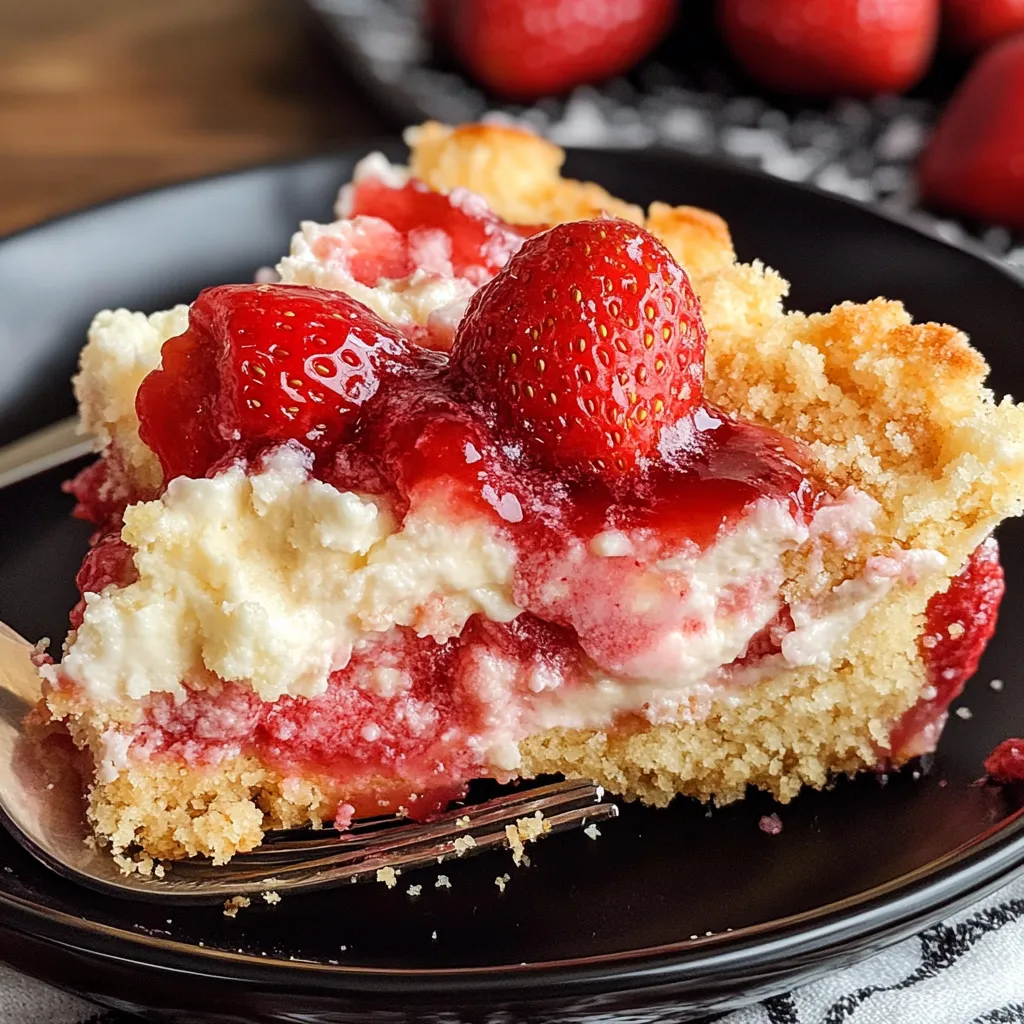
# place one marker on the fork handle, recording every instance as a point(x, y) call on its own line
point(52, 446)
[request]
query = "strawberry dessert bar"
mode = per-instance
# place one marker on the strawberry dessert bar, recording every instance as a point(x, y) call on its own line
point(508, 477)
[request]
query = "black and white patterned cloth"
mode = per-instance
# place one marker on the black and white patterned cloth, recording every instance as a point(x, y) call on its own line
point(967, 970)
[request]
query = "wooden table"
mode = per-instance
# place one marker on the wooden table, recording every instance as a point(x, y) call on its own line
point(103, 97)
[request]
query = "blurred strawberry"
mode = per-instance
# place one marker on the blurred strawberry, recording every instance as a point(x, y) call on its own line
point(528, 48)
point(974, 164)
point(831, 47)
point(973, 25)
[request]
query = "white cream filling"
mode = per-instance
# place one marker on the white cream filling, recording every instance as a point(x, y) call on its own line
point(268, 580)
point(122, 348)
point(432, 298)
point(821, 626)
point(319, 256)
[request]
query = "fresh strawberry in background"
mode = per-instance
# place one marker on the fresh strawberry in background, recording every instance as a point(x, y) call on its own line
point(974, 163)
point(589, 342)
point(260, 364)
point(973, 25)
point(831, 47)
point(523, 49)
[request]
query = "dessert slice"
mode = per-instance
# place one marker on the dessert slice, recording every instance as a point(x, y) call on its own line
point(506, 478)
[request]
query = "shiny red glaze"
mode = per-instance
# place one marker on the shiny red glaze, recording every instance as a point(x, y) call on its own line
point(260, 364)
point(971, 603)
point(477, 242)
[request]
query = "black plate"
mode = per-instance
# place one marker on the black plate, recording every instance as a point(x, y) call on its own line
point(670, 913)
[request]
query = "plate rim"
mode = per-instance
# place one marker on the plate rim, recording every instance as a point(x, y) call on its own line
point(922, 897)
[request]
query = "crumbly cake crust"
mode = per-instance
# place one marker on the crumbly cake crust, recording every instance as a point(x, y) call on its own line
point(894, 408)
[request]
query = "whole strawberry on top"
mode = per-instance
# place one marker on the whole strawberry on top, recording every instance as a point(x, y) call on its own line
point(588, 344)
point(528, 48)
point(974, 163)
point(831, 47)
point(976, 24)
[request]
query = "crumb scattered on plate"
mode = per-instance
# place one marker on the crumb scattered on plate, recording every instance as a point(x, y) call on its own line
point(771, 824)
point(271, 897)
point(388, 875)
point(414, 890)
point(462, 844)
point(442, 882)
point(592, 830)
point(502, 880)
point(236, 903)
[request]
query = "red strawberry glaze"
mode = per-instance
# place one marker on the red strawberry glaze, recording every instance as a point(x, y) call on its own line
point(395, 727)
point(475, 241)
point(970, 608)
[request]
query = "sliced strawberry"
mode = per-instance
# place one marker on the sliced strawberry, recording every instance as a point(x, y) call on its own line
point(589, 342)
point(958, 626)
point(528, 48)
point(108, 562)
point(961, 621)
point(261, 364)
point(974, 163)
point(446, 234)
point(831, 47)
point(976, 24)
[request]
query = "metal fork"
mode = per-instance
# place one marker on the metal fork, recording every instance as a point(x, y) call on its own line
point(41, 803)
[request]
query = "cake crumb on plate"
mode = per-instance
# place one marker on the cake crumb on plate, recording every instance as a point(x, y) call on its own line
point(388, 875)
point(502, 880)
point(770, 824)
point(592, 831)
point(271, 897)
point(462, 844)
point(236, 903)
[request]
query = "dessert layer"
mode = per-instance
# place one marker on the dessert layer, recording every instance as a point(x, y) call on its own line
point(799, 726)
point(270, 578)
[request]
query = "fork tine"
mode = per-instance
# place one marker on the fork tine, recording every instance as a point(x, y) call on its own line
point(419, 845)
point(354, 865)
point(391, 831)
